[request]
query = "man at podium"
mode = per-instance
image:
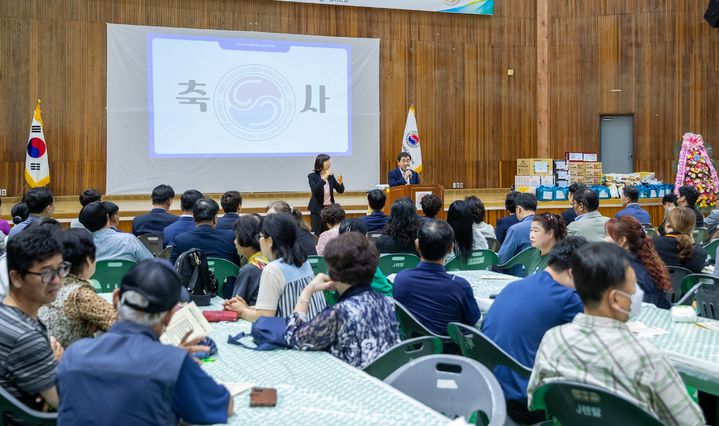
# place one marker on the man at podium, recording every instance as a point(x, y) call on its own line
point(403, 175)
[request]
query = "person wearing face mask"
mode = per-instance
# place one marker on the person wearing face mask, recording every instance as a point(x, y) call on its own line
point(598, 348)
point(403, 174)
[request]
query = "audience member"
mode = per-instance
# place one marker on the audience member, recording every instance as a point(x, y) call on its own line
point(677, 247)
point(479, 214)
point(376, 220)
point(651, 273)
point(284, 278)
point(185, 223)
point(40, 204)
point(19, 213)
point(331, 216)
point(28, 356)
point(545, 231)
point(517, 239)
point(401, 229)
point(87, 197)
point(403, 174)
point(231, 203)
point(219, 243)
point(504, 223)
point(523, 312)
point(589, 223)
point(433, 296)
point(247, 242)
point(688, 196)
point(379, 283)
point(630, 202)
point(98, 378)
point(305, 239)
point(459, 217)
point(598, 348)
point(158, 218)
point(4, 224)
point(77, 311)
point(669, 202)
point(113, 214)
point(431, 206)
point(569, 215)
point(362, 324)
point(111, 245)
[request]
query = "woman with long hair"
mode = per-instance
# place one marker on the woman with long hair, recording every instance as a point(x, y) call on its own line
point(459, 217)
point(652, 274)
point(544, 232)
point(284, 278)
point(677, 247)
point(401, 229)
point(305, 239)
point(323, 184)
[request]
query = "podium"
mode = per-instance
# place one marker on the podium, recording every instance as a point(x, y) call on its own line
point(414, 193)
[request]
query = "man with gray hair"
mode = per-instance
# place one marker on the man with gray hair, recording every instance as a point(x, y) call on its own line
point(126, 376)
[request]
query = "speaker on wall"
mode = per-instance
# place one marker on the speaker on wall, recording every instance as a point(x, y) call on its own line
point(712, 13)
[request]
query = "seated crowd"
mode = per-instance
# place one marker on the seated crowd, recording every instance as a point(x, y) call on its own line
point(66, 348)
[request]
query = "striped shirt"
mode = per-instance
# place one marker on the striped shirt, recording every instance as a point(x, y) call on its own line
point(27, 364)
point(603, 352)
point(281, 285)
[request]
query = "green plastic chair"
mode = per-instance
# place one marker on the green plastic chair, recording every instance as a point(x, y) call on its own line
point(653, 233)
point(493, 244)
point(473, 344)
point(109, 273)
point(318, 264)
point(571, 403)
point(677, 275)
point(9, 405)
point(410, 327)
point(705, 298)
point(222, 269)
point(522, 258)
point(479, 260)
point(690, 280)
point(401, 354)
point(711, 248)
point(392, 263)
point(700, 234)
point(331, 297)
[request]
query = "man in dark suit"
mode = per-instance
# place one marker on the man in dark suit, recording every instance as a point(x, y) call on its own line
point(185, 222)
point(231, 203)
point(403, 175)
point(213, 242)
point(376, 220)
point(504, 223)
point(158, 218)
point(569, 215)
point(688, 196)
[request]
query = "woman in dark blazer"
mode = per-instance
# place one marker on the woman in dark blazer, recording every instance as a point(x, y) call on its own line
point(322, 185)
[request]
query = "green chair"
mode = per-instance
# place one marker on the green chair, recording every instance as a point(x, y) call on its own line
point(109, 273)
point(493, 244)
point(331, 297)
point(522, 258)
point(571, 403)
point(479, 260)
point(318, 264)
point(700, 234)
point(222, 269)
point(690, 280)
point(165, 253)
point(9, 405)
point(401, 354)
point(473, 344)
point(711, 248)
point(705, 298)
point(653, 233)
point(392, 263)
point(676, 275)
point(410, 327)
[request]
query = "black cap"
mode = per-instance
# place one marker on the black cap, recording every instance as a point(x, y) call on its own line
point(157, 281)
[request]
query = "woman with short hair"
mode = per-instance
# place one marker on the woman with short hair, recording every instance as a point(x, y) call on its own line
point(331, 215)
point(323, 185)
point(247, 243)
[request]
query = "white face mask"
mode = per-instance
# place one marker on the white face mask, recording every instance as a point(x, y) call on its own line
point(635, 304)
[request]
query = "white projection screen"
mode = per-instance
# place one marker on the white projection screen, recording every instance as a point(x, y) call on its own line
point(220, 110)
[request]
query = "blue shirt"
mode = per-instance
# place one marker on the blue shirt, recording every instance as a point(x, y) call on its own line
point(435, 297)
point(113, 245)
point(503, 225)
point(22, 225)
point(517, 239)
point(518, 319)
point(375, 221)
point(153, 222)
point(633, 209)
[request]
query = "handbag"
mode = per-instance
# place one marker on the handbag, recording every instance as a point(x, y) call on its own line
point(268, 333)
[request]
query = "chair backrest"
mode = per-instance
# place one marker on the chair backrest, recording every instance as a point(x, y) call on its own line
point(651, 232)
point(165, 253)
point(392, 263)
point(522, 258)
point(374, 236)
point(410, 327)
point(479, 347)
point(401, 354)
point(318, 264)
point(711, 248)
point(109, 273)
point(453, 385)
point(153, 242)
point(573, 403)
point(493, 244)
point(479, 260)
point(222, 269)
point(676, 275)
point(701, 234)
point(692, 280)
point(706, 297)
point(9, 405)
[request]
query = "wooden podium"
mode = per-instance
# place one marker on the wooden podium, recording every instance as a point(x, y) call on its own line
point(414, 193)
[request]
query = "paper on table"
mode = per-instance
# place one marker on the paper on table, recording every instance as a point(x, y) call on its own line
point(187, 318)
point(710, 325)
point(641, 330)
point(236, 388)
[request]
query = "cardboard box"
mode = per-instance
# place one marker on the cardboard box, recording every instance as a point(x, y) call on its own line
point(542, 167)
point(561, 165)
point(527, 189)
point(590, 156)
point(574, 156)
point(532, 181)
point(547, 180)
point(524, 166)
point(562, 183)
point(561, 174)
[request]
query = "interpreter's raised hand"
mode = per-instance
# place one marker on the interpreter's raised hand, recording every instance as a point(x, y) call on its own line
point(339, 179)
point(57, 349)
point(236, 304)
point(320, 282)
point(192, 346)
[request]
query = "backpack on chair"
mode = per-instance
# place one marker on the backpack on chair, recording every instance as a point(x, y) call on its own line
point(196, 276)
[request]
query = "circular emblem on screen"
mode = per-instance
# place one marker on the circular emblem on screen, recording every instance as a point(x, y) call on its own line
point(254, 102)
point(36, 148)
point(412, 139)
point(451, 2)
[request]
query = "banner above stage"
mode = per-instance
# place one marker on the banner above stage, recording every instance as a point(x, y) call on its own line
point(474, 7)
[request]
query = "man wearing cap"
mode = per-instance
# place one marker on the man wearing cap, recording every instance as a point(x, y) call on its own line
point(126, 376)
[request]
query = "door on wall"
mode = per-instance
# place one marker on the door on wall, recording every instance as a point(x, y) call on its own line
point(617, 143)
